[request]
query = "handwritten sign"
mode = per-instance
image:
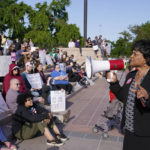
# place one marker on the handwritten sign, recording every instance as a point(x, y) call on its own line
point(5, 61)
point(35, 80)
point(58, 101)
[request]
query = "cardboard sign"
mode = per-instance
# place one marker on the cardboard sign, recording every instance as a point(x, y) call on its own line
point(62, 66)
point(95, 47)
point(58, 101)
point(42, 57)
point(35, 80)
point(5, 61)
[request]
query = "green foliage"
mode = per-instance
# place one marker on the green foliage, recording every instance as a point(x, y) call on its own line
point(66, 33)
point(141, 31)
point(41, 38)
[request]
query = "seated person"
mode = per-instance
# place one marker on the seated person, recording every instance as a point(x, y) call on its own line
point(11, 97)
point(30, 118)
point(74, 76)
point(14, 72)
point(60, 80)
point(29, 70)
point(39, 69)
point(3, 140)
point(46, 90)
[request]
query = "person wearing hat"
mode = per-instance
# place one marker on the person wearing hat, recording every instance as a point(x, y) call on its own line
point(14, 72)
point(53, 55)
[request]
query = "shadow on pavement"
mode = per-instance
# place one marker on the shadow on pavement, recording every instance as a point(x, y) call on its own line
point(53, 148)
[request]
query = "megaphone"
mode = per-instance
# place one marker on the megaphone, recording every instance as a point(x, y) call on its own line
point(95, 66)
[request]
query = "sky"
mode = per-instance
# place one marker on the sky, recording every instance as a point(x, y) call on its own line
point(105, 17)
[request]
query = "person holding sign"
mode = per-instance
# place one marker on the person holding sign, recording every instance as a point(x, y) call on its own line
point(135, 94)
point(60, 80)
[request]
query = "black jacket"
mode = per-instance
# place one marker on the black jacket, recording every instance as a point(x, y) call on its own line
point(23, 114)
point(141, 114)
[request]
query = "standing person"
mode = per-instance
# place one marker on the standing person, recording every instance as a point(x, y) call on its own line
point(31, 44)
point(3, 41)
point(95, 46)
point(135, 94)
point(77, 44)
point(71, 44)
point(104, 48)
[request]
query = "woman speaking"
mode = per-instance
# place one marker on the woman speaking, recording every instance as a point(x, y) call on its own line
point(135, 94)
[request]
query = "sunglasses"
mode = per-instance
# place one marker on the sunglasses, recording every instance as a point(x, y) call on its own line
point(18, 84)
point(16, 69)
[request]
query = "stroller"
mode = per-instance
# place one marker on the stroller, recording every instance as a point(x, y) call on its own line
point(113, 114)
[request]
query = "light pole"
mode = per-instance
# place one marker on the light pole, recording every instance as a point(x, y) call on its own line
point(85, 21)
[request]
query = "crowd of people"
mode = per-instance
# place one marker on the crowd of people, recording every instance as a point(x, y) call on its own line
point(27, 103)
point(97, 44)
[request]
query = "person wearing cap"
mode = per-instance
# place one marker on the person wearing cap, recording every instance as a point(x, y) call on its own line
point(53, 55)
point(14, 72)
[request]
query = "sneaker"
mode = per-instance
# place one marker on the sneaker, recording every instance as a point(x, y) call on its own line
point(56, 142)
point(62, 137)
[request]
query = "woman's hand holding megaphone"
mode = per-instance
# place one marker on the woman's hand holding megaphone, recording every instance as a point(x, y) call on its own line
point(111, 77)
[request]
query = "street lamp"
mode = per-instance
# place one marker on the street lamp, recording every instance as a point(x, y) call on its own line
point(85, 21)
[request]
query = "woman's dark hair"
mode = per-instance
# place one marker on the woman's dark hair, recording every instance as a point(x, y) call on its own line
point(22, 98)
point(143, 46)
point(36, 66)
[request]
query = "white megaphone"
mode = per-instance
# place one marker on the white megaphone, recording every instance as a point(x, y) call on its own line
point(94, 66)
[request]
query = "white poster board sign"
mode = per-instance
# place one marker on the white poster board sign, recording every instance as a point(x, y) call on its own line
point(42, 56)
point(95, 47)
point(5, 61)
point(35, 80)
point(58, 101)
point(3, 105)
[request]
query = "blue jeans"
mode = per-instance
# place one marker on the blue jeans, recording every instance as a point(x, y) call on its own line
point(2, 136)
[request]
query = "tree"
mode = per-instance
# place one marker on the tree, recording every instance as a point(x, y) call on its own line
point(122, 46)
point(15, 21)
point(66, 33)
point(141, 31)
point(4, 4)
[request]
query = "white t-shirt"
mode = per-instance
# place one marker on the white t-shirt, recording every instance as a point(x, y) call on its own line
point(71, 44)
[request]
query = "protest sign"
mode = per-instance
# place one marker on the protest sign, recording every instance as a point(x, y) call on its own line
point(42, 56)
point(5, 61)
point(35, 80)
point(62, 66)
point(58, 101)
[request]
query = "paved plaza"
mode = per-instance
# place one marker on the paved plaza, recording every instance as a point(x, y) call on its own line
point(87, 108)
